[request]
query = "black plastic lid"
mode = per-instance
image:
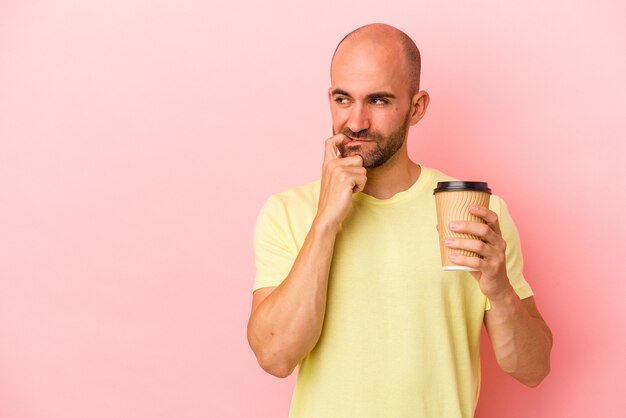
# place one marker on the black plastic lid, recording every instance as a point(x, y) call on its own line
point(459, 186)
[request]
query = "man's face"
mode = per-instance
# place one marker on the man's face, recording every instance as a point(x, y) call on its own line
point(369, 101)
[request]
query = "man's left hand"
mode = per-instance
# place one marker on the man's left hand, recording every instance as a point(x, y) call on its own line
point(491, 275)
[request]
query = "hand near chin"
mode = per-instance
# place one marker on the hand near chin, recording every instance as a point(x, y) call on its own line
point(341, 177)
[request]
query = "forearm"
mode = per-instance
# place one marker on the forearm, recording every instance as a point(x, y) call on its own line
point(521, 341)
point(287, 324)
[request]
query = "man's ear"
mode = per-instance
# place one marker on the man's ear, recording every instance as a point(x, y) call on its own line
point(419, 103)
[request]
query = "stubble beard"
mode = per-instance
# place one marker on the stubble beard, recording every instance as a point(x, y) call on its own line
point(382, 148)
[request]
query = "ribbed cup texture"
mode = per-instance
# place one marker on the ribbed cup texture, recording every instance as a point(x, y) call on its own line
point(453, 206)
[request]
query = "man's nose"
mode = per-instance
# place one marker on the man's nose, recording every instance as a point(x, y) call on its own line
point(359, 118)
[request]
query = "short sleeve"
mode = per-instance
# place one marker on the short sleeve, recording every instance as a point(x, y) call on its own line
point(274, 249)
point(514, 258)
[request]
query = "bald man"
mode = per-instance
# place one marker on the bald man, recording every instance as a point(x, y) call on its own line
point(349, 285)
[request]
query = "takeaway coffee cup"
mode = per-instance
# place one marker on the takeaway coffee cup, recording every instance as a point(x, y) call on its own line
point(453, 199)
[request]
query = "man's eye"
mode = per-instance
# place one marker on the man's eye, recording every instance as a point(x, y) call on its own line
point(341, 100)
point(379, 101)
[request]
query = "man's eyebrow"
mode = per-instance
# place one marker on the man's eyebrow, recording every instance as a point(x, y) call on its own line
point(376, 95)
point(381, 95)
point(340, 92)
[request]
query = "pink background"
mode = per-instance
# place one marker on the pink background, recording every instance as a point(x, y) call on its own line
point(139, 139)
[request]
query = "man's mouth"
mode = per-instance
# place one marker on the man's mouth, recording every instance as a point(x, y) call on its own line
point(356, 141)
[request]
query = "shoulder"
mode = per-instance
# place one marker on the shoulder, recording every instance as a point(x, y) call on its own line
point(297, 204)
point(295, 198)
point(303, 194)
point(286, 217)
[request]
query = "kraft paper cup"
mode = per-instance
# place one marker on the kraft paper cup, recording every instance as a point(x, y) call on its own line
point(453, 199)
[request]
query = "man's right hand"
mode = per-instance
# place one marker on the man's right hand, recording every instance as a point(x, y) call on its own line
point(341, 177)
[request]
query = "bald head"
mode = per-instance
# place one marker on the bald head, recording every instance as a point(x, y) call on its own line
point(388, 37)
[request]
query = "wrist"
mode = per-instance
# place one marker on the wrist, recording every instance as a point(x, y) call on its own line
point(322, 226)
point(506, 297)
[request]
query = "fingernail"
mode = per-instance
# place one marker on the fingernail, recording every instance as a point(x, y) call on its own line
point(453, 257)
point(448, 241)
point(454, 225)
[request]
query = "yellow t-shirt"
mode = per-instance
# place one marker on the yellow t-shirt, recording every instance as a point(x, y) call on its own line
point(400, 335)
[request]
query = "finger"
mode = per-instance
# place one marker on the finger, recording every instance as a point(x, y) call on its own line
point(473, 245)
point(488, 216)
point(480, 230)
point(483, 232)
point(351, 161)
point(353, 177)
point(358, 177)
point(330, 150)
point(463, 260)
point(355, 170)
point(359, 183)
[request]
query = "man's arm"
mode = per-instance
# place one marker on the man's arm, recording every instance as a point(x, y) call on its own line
point(520, 337)
point(286, 322)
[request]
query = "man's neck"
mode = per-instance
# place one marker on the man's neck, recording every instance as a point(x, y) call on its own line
point(392, 177)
